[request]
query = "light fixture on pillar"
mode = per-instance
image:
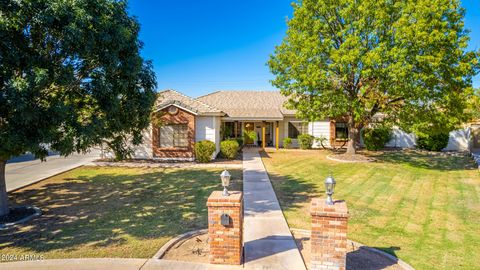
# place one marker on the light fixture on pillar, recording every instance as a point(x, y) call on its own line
point(225, 176)
point(329, 189)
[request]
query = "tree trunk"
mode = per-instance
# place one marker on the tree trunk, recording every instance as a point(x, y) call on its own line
point(4, 210)
point(352, 137)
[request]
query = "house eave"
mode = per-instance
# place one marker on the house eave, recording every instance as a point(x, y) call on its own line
point(253, 119)
point(185, 108)
point(212, 114)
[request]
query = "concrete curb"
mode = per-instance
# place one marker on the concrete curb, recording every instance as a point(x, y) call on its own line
point(76, 264)
point(398, 261)
point(112, 263)
point(182, 237)
point(329, 157)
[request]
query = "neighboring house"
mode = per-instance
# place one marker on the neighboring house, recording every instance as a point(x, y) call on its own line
point(179, 121)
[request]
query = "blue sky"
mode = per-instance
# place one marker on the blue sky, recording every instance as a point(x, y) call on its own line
point(199, 47)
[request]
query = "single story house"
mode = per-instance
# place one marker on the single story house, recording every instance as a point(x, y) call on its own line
point(179, 121)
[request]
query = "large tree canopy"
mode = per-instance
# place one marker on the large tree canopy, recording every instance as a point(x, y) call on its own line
point(355, 59)
point(71, 76)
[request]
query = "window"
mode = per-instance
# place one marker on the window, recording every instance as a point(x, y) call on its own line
point(228, 130)
point(173, 136)
point(297, 128)
point(341, 131)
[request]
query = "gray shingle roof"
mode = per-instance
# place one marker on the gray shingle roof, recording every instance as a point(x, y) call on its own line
point(248, 104)
point(172, 97)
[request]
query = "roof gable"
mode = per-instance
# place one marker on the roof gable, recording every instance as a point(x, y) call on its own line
point(172, 97)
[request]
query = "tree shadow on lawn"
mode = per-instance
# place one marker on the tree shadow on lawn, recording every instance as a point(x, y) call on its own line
point(104, 209)
point(291, 191)
point(426, 160)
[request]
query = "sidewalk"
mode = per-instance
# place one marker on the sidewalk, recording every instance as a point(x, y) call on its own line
point(111, 264)
point(268, 241)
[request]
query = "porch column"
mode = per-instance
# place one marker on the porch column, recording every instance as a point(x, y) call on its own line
point(263, 135)
point(276, 136)
point(235, 127)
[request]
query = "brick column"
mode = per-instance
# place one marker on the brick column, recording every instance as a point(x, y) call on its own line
point(225, 240)
point(329, 235)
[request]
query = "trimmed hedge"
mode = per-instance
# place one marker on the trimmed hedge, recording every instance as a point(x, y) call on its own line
point(434, 142)
point(305, 141)
point(376, 138)
point(287, 143)
point(204, 151)
point(229, 148)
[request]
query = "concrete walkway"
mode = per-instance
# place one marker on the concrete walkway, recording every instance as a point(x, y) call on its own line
point(268, 241)
point(24, 173)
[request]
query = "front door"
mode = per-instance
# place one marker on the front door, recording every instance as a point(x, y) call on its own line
point(249, 132)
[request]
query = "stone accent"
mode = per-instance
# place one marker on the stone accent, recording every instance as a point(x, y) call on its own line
point(329, 235)
point(181, 117)
point(225, 241)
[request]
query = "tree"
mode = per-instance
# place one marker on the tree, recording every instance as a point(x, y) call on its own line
point(404, 60)
point(71, 77)
point(474, 105)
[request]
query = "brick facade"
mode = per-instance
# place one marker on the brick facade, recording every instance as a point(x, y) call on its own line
point(165, 118)
point(225, 241)
point(329, 235)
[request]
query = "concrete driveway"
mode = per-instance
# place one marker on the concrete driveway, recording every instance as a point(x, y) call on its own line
point(23, 171)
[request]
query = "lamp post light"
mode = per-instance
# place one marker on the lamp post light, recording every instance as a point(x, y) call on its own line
point(225, 176)
point(329, 189)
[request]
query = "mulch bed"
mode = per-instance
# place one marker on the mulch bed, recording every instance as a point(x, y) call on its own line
point(219, 160)
point(358, 257)
point(196, 249)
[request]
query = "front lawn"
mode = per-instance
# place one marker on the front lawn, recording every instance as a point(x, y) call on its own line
point(423, 209)
point(112, 212)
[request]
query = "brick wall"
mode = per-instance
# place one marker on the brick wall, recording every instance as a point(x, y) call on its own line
point(225, 241)
point(164, 117)
point(329, 235)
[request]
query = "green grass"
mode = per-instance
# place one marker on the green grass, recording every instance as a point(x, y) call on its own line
point(112, 212)
point(424, 209)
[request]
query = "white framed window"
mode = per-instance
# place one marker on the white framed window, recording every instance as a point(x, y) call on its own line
point(174, 136)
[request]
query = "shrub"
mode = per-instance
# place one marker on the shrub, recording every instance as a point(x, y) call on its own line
point(287, 143)
point(305, 141)
point(432, 142)
point(204, 151)
point(322, 140)
point(376, 138)
point(240, 141)
point(229, 148)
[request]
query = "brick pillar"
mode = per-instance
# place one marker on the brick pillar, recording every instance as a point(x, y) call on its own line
point(329, 235)
point(225, 240)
